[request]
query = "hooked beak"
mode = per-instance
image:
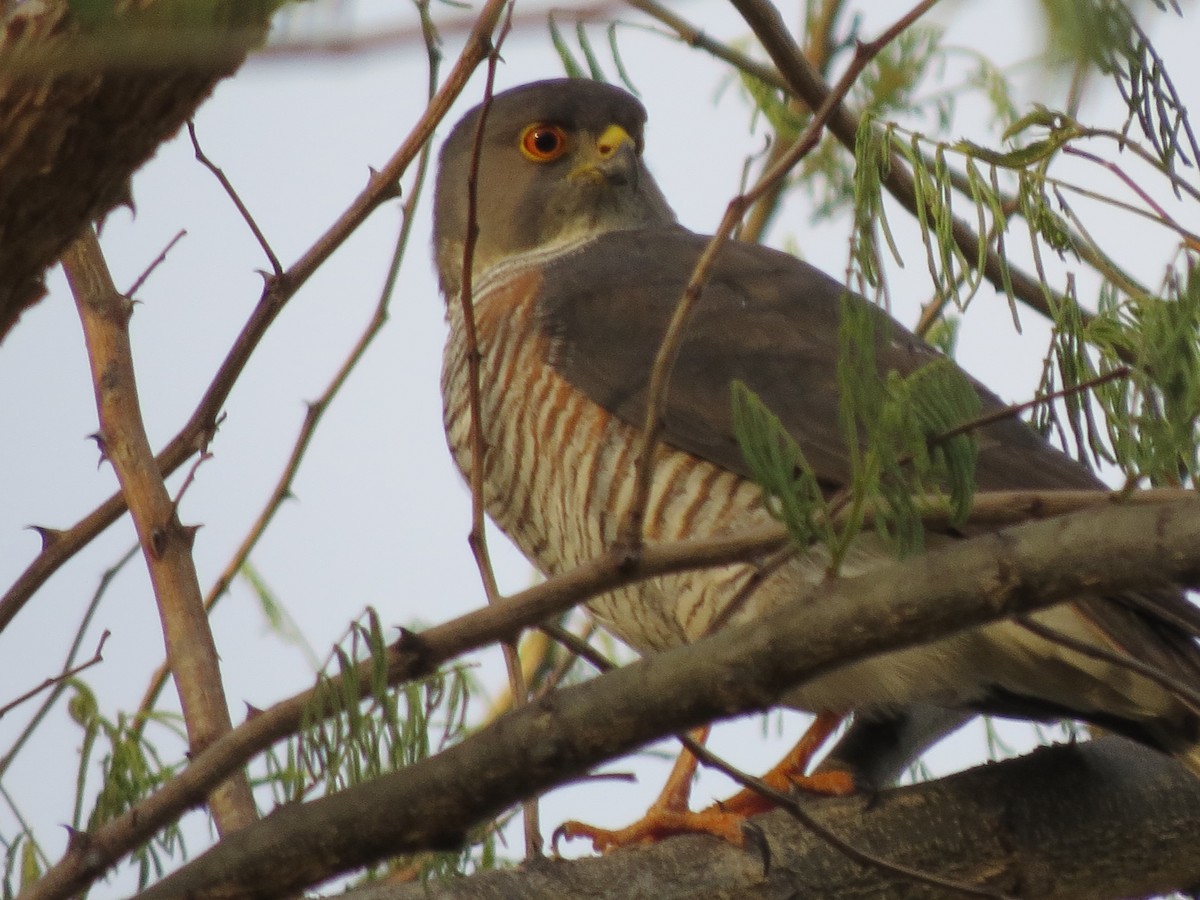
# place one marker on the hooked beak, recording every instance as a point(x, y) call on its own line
point(612, 159)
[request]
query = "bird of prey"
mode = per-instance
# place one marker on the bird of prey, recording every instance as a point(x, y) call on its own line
point(576, 269)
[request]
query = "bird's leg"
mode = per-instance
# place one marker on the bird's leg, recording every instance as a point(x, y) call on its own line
point(669, 815)
point(666, 816)
point(790, 773)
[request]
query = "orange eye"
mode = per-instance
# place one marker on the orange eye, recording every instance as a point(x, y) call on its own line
point(543, 143)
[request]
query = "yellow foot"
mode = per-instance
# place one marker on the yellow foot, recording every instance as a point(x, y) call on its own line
point(657, 825)
point(670, 814)
point(721, 820)
point(749, 802)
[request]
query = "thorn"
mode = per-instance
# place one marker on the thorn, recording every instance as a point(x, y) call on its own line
point(189, 534)
point(77, 841)
point(126, 197)
point(252, 711)
point(100, 445)
point(412, 644)
point(158, 542)
point(49, 536)
point(387, 192)
point(205, 435)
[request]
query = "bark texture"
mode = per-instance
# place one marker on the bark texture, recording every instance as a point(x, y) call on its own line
point(1107, 819)
point(87, 94)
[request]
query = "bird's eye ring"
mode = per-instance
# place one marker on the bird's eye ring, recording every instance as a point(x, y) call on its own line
point(543, 143)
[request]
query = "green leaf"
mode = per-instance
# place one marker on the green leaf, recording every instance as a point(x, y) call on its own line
point(571, 66)
point(778, 465)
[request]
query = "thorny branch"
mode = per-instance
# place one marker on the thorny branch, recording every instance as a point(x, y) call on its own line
point(317, 408)
point(166, 543)
point(61, 545)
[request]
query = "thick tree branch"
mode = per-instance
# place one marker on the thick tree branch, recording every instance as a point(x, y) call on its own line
point(432, 803)
point(83, 104)
point(414, 656)
point(1106, 819)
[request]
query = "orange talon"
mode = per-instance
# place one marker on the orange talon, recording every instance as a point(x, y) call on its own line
point(669, 814)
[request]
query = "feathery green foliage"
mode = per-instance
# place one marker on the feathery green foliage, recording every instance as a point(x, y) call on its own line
point(900, 432)
point(352, 735)
point(131, 768)
point(777, 463)
point(902, 437)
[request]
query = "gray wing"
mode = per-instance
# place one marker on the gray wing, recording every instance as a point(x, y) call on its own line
point(765, 318)
point(771, 321)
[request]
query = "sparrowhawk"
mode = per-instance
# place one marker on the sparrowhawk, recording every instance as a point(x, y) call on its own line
point(577, 268)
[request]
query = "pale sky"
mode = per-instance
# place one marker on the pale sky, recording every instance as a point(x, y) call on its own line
point(380, 517)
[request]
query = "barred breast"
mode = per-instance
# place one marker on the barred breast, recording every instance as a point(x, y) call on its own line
point(559, 471)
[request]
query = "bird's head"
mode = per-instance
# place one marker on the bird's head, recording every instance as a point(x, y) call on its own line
point(559, 160)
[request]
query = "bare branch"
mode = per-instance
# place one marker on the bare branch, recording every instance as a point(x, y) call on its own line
point(97, 658)
point(203, 159)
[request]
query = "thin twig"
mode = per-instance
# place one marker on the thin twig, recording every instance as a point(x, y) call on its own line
point(1163, 217)
point(189, 478)
point(106, 579)
point(1015, 409)
point(762, 571)
point(155, 263)
point(477, 539)
point(578, 647)
point(695, 37)
point(97, 658)
point(242, 209)
point(819, 46)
